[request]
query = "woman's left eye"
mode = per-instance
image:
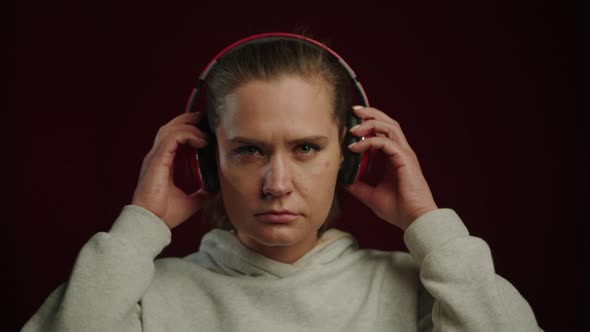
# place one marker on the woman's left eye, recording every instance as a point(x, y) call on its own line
point(307, 148)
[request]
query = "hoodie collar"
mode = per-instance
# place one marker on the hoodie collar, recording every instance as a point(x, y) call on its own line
point(223, 252)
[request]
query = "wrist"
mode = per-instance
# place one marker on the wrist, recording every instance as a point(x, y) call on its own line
point(419, 213)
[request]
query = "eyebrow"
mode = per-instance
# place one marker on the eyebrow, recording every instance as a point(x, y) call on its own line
point(319, 140)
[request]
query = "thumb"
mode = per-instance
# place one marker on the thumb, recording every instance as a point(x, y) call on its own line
point(360, 190)
point(199, 197)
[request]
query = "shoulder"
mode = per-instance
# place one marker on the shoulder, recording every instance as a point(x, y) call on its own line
point(176, 269)
point(398, 260)
point(171, 265)
point(393, 272)
point(396, 263)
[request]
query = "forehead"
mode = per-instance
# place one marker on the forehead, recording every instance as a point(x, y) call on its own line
point(289, 105)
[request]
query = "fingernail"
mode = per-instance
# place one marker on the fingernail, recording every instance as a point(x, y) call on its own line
point(355, 127)
point(352, 144)
point(357, 107)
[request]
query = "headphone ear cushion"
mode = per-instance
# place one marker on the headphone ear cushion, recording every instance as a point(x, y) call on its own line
point(352, 160)
point(207, 159)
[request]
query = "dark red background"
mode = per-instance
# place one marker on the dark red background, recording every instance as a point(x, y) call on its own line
point(484, 94)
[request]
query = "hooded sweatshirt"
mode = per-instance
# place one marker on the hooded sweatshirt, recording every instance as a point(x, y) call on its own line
point(446, 282)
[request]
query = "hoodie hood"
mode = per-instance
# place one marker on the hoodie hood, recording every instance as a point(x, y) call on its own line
point(221, 251)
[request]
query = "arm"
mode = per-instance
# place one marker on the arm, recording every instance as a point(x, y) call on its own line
point(114, 269)
point(110, 276)
point(456, 269)
point(458, 272)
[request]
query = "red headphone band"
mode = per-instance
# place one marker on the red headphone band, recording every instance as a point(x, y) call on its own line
point(211, 63)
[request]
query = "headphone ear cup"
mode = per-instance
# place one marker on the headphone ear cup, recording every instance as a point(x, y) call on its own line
point(207, 159)
point(352, 160)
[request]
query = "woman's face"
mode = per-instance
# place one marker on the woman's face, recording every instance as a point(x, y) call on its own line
point(278, 151)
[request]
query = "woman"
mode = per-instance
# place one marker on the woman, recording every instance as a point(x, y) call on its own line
point(276, 110)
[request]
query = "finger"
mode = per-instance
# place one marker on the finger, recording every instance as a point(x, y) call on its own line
point(185, 132)
point(361, 191)
point(390, 130)
point(389, 147)
point(165, 131)
point(197, 199)
point(201, 195)
point(168, 146)
point(165, 148)
point(188, 117)
point(367, 113)
point(201, 192)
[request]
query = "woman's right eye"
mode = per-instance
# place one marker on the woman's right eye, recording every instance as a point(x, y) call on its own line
point(247, 150)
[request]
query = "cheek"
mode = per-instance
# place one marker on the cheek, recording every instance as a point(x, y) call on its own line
point(238, 185)
point(319, 182)
point(232, 172)
point(315, 175)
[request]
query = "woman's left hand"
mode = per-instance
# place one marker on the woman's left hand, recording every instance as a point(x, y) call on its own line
point(402, 195)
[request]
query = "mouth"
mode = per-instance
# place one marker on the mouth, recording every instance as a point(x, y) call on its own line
point(277, 217)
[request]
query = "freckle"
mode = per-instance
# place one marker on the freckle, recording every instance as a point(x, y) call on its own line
point(327, 164)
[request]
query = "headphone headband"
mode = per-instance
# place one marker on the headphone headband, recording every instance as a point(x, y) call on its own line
point(272, 35)
point(275, 35)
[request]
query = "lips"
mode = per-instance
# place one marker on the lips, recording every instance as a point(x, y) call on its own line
point(277, 216)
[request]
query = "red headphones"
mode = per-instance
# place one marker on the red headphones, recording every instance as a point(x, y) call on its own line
point(203, 162)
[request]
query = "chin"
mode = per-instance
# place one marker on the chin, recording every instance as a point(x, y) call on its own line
point(273, 235)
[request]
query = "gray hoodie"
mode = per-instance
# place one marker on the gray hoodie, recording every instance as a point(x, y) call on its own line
point(446, 283)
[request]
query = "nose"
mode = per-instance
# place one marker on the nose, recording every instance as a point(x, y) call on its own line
point(277, 177)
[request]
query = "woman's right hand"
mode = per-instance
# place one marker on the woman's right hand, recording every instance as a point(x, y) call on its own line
point(155, 189)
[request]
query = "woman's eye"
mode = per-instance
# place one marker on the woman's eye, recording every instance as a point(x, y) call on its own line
point(250, 150)
point(307, 148)
point(247, 150)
